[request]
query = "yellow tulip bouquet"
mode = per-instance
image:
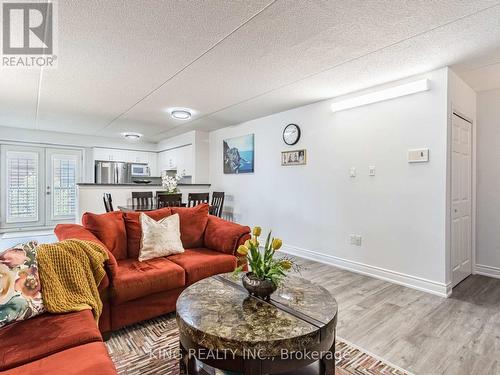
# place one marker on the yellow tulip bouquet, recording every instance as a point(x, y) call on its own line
point(263, 265)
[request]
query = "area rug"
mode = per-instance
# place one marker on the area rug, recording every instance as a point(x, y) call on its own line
point(151, 348)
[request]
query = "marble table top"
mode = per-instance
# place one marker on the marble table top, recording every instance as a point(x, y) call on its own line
point(218, 313)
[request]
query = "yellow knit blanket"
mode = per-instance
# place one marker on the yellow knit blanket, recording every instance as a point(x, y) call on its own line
point(70, 272)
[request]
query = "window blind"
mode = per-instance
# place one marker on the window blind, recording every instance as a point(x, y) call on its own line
point(64, 171)
point(22, 186)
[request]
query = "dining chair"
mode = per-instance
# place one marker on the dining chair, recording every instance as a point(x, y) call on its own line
point(217, 203)
point(108, 202)
point(195, 199)
point(142, 198)
point(168, 200)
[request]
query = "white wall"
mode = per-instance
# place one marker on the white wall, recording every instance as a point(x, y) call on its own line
point(488, 183)
point(177, 141)
point(201, 160)
point(400, 213)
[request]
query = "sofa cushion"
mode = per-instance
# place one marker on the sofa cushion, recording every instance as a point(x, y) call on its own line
point(200, 263)
point(78, 232)
point(160, 238)
point(109, 228)
point(20, 287)
point(193, 223)
point(137, 279)
point(134, 231)
point(27, 341)
point(225, 236)
point(91, 358)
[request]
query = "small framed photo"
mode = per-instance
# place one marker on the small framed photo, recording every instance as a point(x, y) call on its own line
point(296, 157)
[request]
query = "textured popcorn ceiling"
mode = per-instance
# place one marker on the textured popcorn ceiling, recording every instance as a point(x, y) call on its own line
point(121, 64)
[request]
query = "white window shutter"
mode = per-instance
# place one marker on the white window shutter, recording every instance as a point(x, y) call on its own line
point(22, 186)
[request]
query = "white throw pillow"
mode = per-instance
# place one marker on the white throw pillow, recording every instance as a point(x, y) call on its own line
point(160, 238)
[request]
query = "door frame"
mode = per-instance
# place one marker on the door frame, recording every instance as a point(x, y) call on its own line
point(456, 111)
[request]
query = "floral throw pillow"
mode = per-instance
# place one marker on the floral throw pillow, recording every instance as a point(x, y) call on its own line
point(20, 294)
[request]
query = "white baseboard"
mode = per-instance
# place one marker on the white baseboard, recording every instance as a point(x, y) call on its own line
point(429, 286)
point(481, 269)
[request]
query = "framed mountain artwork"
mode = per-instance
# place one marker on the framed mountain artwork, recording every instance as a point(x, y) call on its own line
point(239, 154)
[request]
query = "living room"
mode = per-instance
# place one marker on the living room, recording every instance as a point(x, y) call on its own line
point(160, 142)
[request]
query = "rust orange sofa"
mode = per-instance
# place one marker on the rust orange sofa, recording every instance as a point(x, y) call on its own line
point(131, 291)
point(69, 344)
point(142, 290)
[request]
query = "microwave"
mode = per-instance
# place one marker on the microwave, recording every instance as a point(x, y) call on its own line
point(139, 170)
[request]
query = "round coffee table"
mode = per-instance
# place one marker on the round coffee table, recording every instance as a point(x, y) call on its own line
point(221, 325)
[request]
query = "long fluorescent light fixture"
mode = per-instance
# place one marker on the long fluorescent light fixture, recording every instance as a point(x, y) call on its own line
point(381, 95)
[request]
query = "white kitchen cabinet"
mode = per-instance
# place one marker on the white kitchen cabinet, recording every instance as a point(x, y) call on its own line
point(136, 156)
point(129, 156)
point(180, 159)
point(167, 160)
point(185, 160)
point(152, 160)
point(105, 154)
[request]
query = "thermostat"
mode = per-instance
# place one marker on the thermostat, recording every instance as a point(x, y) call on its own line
point(418, 155)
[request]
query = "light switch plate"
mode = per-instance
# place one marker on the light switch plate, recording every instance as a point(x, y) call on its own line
point(358, 240)
point(352, 172)
point(353, 239)
point(418, 155)
point(371, 170)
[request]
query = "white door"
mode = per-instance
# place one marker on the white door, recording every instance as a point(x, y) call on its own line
point(22, 183)
point(461, 199)
point(64, 172)
point(38, 186)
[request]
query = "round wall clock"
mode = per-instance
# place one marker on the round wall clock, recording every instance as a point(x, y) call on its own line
point(291, 134)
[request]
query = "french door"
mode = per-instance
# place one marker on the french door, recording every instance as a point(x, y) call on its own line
point(38, 186)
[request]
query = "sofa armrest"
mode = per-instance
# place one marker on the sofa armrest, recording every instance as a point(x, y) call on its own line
point(224, 236)
point(78, 232)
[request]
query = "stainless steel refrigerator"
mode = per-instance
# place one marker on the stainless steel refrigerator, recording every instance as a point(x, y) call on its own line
point(110, 172)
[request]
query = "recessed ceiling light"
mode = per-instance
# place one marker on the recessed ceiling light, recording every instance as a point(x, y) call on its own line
point(132, 136)
point(181, 113)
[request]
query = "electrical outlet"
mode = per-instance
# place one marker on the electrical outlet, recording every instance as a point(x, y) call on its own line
point(358, 240)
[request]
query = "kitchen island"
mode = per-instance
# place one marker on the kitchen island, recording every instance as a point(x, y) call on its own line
point(89, 195)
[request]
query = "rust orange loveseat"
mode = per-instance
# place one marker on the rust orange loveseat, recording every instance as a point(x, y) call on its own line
point(142, 290)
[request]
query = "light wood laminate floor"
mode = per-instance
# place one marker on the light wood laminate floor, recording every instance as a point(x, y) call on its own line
point(420, 332)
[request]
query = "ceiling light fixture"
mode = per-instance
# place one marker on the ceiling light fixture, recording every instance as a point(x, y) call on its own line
point(181, 113)
point(132, 136)
point(381, 95)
